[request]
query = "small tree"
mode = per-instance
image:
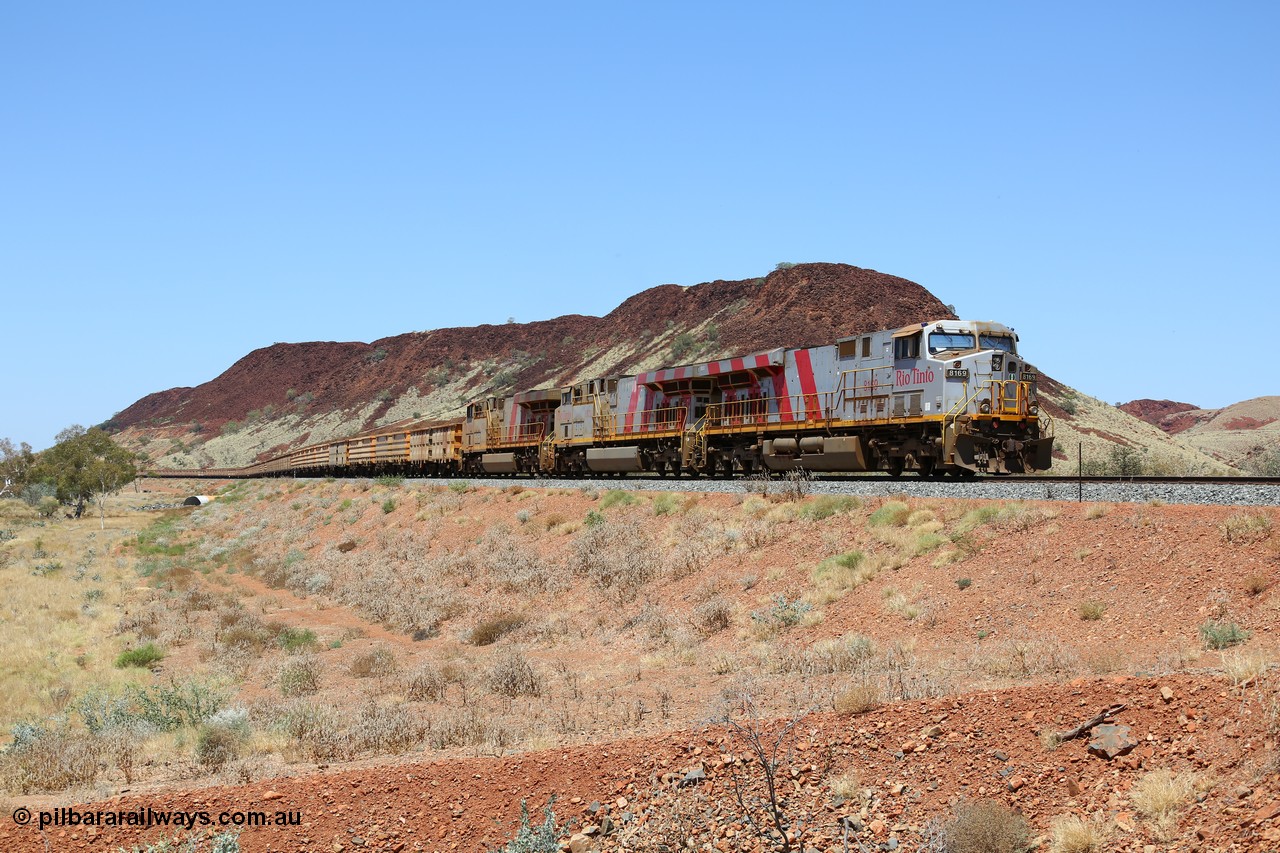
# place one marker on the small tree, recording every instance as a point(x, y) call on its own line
point(86, 466)
point(768, 749)
point(1125, 461)
point(15, 466)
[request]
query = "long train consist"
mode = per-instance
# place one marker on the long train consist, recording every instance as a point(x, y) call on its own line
point(945, 397)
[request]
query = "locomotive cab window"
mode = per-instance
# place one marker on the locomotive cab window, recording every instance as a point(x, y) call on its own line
point(949, 341)
point(907, 347)
point(1003, 343)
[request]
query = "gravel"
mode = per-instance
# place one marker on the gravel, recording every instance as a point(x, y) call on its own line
point(1005, 490)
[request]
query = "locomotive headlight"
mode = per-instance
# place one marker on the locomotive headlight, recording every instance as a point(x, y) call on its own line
point(985, 407)
point(956, 365)
point(1034, 409)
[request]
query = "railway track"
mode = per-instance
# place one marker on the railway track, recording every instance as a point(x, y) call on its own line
point(1230, 491)
point(237, 473)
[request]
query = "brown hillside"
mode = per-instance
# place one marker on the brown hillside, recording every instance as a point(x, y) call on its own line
point(1160, 413)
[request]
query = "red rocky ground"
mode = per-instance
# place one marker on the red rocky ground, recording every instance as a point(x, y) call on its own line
point(912, 761)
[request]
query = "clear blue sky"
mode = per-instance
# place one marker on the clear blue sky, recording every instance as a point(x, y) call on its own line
point(182, 183)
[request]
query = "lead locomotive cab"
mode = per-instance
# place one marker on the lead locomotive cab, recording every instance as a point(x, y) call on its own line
point(968, 377)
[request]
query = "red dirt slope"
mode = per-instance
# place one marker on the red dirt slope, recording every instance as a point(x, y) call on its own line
point(912, 762)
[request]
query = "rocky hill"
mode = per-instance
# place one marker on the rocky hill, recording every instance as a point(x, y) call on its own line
point(1245, 435)
point(286, 395)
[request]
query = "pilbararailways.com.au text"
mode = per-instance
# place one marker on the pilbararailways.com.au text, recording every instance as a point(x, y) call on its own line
point(149, 818)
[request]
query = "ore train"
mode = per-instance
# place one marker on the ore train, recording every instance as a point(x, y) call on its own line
point(948, 397)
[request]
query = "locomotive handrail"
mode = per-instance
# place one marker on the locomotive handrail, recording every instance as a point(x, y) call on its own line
point(998, 398)
point(852, 394)
point(766, 411)
point(693, 445)
point(667, 420)
point(524, 435)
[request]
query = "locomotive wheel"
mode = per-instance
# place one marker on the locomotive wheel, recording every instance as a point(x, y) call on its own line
point(895, 467)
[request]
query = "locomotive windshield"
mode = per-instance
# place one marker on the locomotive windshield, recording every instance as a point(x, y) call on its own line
point(944, 341)
point(1000, 342)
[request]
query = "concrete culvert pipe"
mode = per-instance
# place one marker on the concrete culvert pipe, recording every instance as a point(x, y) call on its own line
point(197, 500)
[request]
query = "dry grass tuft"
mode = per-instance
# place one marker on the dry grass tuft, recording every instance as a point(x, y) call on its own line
point(425, 684)
point(1072, 834)
point(1091, 611)
point(1245, 527)
point(838, 575)
point(1244, 667)
point(713, 615)
point(299, 677)
point(490, 631)
point(512, 675)
point(846, 786)
point(1160, 794)
point(899, 604)
point(986, 826)
point(378, 662)
point(859, 699)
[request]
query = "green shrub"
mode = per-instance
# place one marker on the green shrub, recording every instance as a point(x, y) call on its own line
point(665, 504)
point(825, 506)
point(683, 345)
point(892, 514)
point(162, 707)
point(593, 519)
point(783, 613)
point(844, 572)
point(964, 583)
point(459, 486)
point(926, 542)
point(388, 506)
point(390, 482)
point(617, 497)
point(544, 838)
point(142, 657)
point(977, 517)
point(1217, 634)
point(296, 640)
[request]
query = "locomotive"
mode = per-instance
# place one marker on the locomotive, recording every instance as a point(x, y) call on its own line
point(947, 397)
